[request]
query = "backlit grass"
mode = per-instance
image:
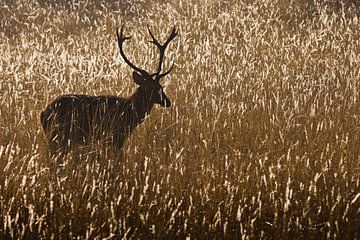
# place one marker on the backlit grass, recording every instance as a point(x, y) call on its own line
point(262, 140)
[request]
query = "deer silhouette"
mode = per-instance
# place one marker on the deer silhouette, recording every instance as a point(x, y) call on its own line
point(82, 119)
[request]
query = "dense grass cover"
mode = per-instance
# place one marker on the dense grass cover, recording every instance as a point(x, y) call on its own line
point(262, 140)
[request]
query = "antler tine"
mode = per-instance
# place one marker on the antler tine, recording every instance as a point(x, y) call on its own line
point(166, 73)
point(172, 35)
point(162, 48)
point(121, 40)
point(154, 40)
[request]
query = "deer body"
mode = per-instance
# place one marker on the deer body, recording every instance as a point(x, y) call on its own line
point(82, 119)
point(85, 119)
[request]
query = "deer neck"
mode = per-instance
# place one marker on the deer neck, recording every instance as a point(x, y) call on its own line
point(141, 103)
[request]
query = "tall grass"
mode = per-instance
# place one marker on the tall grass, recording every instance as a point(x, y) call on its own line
point(262, 140)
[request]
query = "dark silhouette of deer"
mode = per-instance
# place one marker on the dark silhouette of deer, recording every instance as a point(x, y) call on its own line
point(82, 119)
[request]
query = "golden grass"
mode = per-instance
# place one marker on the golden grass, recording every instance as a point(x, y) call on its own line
point(262, 141)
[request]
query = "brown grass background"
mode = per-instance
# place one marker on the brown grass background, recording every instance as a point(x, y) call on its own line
point(262, 140)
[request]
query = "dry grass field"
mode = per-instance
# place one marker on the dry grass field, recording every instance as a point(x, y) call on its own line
point(262, 140)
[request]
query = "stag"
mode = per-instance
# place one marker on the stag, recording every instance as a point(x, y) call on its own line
point(82, 119)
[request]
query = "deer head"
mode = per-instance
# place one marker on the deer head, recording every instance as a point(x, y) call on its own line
point(149, 82)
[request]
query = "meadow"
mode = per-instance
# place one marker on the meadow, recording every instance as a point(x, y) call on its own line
point(262, 140)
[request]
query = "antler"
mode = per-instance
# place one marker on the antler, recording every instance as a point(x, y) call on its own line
point(121, 40)
point(162, 48)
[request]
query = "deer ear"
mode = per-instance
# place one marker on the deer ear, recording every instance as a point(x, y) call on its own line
point(138, 79)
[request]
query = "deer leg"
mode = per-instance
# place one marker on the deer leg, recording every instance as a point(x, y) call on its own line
point(57, 151)
point(58, 146)
point(118, 141)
